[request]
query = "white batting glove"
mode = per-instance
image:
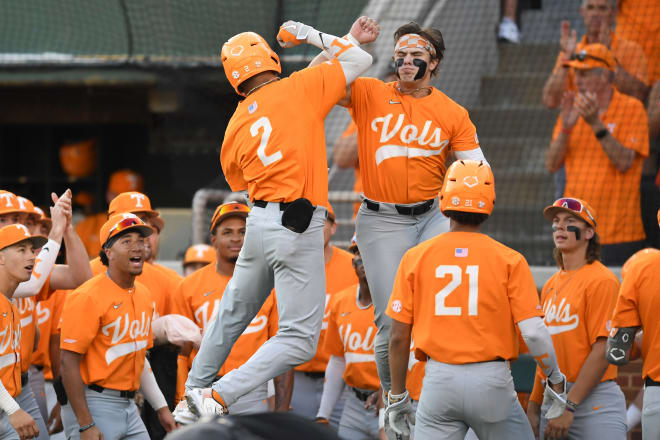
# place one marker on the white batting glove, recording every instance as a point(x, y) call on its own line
point(399, 415)
point(557, 401)
point(292, 33)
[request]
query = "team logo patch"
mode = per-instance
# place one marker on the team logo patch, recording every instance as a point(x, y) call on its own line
point(396, 306)
point(253, 107)
point(470, 181)
point(257, 63)
point(461, 252)
point(235, 74)
point(455, 201)
point(481, 204)
point(237, 51)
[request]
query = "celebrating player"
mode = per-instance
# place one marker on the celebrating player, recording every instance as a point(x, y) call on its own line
point(274, 147)
point(578, 302)
point(461, 295)
point(637, 306)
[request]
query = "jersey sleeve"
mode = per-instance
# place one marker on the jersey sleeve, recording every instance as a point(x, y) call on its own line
point(80, 322)
point(322, 85)
point(231, 167)
point(333, 343)
point(58, 303)
point(400, 306)
point(178, 303)
point(523, 299)
point(626, 311)
point(601, 299)
point(45, 291)
point(464, 137)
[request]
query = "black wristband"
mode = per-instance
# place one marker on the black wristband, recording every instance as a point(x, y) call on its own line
point(86, 427)
point(601, 133)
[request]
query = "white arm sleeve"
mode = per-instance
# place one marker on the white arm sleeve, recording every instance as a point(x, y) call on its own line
point(150, 388)
point(474, 154)
point(45, 262)
point(538, 339)
point(333, 386)
point(354, 61)
point(7, 403)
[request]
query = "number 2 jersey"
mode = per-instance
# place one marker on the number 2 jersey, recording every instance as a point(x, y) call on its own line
point(463, 293)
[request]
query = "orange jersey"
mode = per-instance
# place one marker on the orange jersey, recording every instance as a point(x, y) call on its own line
point(274, 145)
point(591, 175)
point(339, 274)
point(638, 304)
point(415, 375)
point(469, 286)
point(26, 315)
point(48, 316)
point(88, 230)
point(351, 333)
point(639, 21)
point(403, 142)
point(10, 347)
point(169, 272)
point(111, 328)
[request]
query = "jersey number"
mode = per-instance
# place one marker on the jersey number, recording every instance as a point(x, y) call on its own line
point(456, 275)
point(264, 122)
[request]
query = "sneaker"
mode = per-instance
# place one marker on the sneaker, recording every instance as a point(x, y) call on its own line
point(508, 31)
point(201, 402)
point(182, 415)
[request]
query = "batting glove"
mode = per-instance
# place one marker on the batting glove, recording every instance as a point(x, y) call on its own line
point(292, 33)
point(399, 415)
point(556, 401)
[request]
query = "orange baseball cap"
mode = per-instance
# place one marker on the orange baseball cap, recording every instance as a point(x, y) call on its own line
point(78, 159)
point(8, 203)
point(43, 218)
point(231, 209)
point(579, 208)
point(119, 223)
point(130, 202)
point(13, 234)
point(125, 181)
point(591, 57)
point(27, 207)
point(199, 253)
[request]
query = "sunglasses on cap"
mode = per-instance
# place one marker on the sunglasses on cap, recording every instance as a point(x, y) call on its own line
point(231, 207)
point(582, 55)
point(123, 225)
point(574, 205)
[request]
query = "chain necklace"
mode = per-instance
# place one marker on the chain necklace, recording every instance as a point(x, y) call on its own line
point(261, 85)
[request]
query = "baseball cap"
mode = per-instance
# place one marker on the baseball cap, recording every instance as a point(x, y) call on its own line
point(132, 202)
point(199, 253)
point(231, 209)
point(78, 159)
point(120, 223)
point(13, 234)
point(592, 56)
point(125, 181)
point(43, 218)
point(579, 208)
point(27, 207)
point(8, 203)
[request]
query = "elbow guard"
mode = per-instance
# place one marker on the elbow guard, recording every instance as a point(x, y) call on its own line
point(619, 345)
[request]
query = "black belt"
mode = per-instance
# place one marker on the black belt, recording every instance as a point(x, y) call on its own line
point(362, 395)
point(314, 374)
point(263, 203)
point(38, 367)
point(417, 209)
point(24, 379)
point(124, 393)
point(650, 382)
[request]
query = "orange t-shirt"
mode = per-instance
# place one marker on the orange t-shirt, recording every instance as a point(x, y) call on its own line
point(274, 145)
point(351, 334)
point(467, 285)
point(403, 141)
point(48, 316)
point(339, 274)
point(88, 230)
point(111, 328)
point(591, 175)
point(628, 54)
point(10, 347)
point(639, 21)
point(26, 315)
point(637, 305)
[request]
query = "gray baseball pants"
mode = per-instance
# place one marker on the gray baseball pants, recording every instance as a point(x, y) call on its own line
point(306, 398)
point(272, 256)
point(253, 402)
point(601, 416)
point(383, 237)
point(28, 403)
point(38, 385)
point(116, 417)
point(478, 396)
point(651, 413)
point(357, 422)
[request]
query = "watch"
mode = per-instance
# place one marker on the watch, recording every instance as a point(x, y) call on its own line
point(601, 133)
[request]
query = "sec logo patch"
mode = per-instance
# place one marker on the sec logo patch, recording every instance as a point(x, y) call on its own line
point(396, 306)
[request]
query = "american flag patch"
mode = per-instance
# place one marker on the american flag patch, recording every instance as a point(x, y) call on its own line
point(461, 252)
point(253, 107)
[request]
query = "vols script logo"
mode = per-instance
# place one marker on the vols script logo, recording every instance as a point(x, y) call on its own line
point(10, 339)
point(406, 135)
point(558, 317)
point(203, 317)
point(122, 326)
point(352, 341)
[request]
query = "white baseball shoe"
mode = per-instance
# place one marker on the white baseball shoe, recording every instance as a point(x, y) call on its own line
point(182, 415)
point(201, 402)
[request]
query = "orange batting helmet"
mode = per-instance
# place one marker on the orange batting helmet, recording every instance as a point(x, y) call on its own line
point(469, 186)
point(245, 55)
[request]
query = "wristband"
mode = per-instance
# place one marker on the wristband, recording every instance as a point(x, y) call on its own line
point(601, 133)
point(571, 406)
point(86, 427)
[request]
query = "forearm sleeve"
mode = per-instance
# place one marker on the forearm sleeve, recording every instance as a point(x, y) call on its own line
point(150, 388)
point(538, 339)
point(333, 386)
point(353, 60)
point(474, 154)
point(7, 403)
point(44, 264)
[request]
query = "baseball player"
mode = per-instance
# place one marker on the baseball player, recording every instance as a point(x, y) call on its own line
point(202, 293)
point(17, 260)
point(460, 295)
point(196, 257)
point(578, 302)
point(309, 377)
point(274, 147)
point(403, 145)
point(105, 332)
point(637, 307)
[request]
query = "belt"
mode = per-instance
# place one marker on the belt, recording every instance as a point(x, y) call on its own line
point(363, 395)
point(24, 379)
point(116, 393)
point(314, 374)
point(263, 203)
point(650, 382)
point(417, 209)
point(38, 367)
